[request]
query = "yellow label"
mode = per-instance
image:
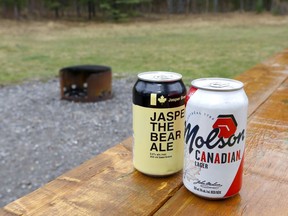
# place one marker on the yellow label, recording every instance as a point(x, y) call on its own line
point(153, 99)
point(158, 139)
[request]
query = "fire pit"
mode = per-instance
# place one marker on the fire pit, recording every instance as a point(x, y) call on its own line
point(86, 83)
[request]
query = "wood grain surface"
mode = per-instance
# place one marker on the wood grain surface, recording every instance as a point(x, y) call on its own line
point(265, 183)
point(106, 185)
point(109, 185)
point(263, 79)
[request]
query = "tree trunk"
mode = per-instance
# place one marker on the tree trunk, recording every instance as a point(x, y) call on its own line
point(16, 10)
point(187, 7)
point(41, 9)
point(194, 6)
point(242, 8)
point(77, 8)
point(181, 6)
point(207, 6)
point(251, 5)
point(216, 5)
point(56, 11)
point(170, 4)
point(267, 5)
point(91, 10)
point(275, 5)
point(31, 7)
point(4, 10)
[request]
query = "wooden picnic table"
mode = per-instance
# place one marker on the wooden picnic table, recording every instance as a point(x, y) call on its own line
point(109, 185)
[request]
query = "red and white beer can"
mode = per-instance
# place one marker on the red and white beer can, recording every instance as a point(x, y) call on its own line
point(215, 130)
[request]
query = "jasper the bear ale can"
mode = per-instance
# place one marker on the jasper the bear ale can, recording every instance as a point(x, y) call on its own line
point(158, 123)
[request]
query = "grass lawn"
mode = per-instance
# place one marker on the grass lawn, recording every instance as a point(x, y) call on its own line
point(196, 46)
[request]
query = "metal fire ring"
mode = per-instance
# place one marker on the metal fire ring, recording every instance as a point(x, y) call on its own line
point(86, 83)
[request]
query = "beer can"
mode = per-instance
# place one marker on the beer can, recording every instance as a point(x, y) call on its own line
point(215, 130)
point(158, 123)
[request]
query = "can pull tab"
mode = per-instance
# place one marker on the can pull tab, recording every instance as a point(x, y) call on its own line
point(219, 84)
point(162, 77)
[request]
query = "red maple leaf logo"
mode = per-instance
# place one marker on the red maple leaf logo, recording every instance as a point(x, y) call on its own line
point(227, 125)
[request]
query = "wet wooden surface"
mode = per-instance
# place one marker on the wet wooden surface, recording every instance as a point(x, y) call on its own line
point(109, 185)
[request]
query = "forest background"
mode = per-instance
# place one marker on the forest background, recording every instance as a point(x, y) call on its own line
point(123, 9)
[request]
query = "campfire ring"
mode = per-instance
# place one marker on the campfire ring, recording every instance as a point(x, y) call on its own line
point(86, 83)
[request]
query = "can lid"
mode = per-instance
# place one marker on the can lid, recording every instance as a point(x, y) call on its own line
point(159, 76)
point(217, 84)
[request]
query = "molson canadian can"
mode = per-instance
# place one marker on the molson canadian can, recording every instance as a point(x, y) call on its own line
point(215, 130)
point(158, 123)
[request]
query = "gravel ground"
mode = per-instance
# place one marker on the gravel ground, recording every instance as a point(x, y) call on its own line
point(42, 136)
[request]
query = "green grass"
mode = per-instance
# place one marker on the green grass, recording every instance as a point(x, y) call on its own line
point(224, 46)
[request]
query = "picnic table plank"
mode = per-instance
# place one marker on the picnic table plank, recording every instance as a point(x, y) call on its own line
point(108, 183)
point(265, 183)
point(263, 79)
point(5, 213)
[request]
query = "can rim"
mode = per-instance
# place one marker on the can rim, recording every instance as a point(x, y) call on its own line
point(217, 84)
point(159, 76)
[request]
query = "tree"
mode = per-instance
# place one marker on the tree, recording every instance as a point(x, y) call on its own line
point(13, 5)
point(120, 9)
point(54, 5)
point(216, 6)
point(89, 4)
point(259, 6)
point(57, 6)
point(31, 6)
point(279, 7)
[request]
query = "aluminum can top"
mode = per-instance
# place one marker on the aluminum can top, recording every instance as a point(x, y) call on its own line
point(159, 76)
point(217, 84)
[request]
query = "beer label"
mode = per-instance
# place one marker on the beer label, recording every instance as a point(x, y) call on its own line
point(214, 151)
point(158, 139)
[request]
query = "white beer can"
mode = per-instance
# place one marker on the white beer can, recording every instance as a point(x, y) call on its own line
point(215, 131)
